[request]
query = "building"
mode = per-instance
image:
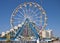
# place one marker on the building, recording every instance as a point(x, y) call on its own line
point(47, 34)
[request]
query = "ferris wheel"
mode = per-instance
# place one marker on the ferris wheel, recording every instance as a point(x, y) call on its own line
point(33, 11)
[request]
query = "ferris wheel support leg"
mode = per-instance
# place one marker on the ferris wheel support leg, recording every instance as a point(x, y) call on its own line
point(19, 32)
point(34, 30)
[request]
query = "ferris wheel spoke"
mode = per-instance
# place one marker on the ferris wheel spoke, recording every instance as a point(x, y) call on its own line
point(19, 16)
point(37, 23)
point(32, 14)
point(17, 22)
point(23, 10)
point(17, 19)
point(21, 13)
point(29, 11)
point(37, 14)
point(37, 18)
point(26, 11)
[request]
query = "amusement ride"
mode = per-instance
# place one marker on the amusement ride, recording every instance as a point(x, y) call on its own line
point(26, 22)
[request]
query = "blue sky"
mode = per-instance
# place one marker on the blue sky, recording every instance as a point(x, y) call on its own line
point(52, 8)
